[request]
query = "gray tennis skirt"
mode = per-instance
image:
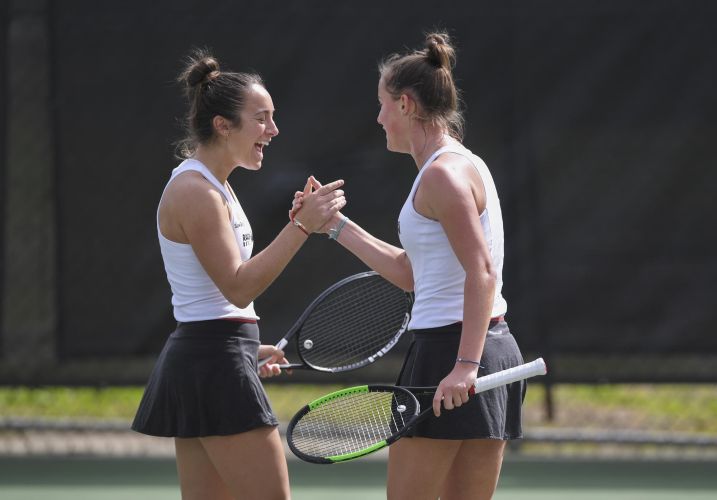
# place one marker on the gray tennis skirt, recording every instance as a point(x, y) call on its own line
point(493, 414)
point(205, 383)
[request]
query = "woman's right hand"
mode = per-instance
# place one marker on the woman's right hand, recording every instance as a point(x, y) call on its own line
point(276, 358)
point(318, 204)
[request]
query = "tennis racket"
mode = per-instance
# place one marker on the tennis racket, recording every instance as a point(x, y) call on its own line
point(354, 422)
point(350, 325)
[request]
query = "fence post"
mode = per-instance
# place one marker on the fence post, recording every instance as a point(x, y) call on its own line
point(29, 305)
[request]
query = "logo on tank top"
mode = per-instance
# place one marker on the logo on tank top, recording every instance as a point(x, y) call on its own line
point(247, 239)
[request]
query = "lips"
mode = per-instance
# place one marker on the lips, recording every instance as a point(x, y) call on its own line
point(259, 147)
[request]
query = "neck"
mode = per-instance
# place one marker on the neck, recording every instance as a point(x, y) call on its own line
point(426, 141)
point(216, 161)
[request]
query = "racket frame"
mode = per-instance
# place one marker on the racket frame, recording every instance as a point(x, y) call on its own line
point(299, 323)
point(484, 383)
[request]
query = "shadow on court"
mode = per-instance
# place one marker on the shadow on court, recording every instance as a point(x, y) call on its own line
point(64, 478)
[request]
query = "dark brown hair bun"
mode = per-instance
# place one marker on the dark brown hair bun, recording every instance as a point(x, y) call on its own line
point(201, 68)
point(225, 97)
point(427, 75)
point(439, 50)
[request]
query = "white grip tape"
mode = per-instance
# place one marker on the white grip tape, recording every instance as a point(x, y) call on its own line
point(282, 343)
point(510, 375)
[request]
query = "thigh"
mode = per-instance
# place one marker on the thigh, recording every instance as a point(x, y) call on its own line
point(475, 469)
point(198, 479)
point(417, 467)
point(252, 464)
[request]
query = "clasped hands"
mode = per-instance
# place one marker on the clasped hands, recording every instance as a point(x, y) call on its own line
point(317, 205)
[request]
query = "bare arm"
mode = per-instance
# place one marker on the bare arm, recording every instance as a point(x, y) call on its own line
point(200, 214)
point(452, 193)
point(388, 260)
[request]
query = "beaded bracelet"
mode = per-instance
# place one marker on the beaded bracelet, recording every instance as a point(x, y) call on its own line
point(297, 223)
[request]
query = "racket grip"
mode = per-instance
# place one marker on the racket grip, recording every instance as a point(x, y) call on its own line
point(282, 343)
point(510, 375)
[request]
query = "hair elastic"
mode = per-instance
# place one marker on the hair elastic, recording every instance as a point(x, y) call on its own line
point(469, 361)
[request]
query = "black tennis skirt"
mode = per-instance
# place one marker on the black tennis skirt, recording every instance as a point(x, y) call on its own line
point(493, 414)
point(205, 383)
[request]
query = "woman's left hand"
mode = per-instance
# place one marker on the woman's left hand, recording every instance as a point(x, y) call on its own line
point(297, 202)
point(277, 358)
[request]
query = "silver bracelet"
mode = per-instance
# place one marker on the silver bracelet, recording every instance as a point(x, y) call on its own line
point(334, 233)
point(470, 361)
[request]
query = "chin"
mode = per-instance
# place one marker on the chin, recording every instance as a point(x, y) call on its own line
point(250, 166)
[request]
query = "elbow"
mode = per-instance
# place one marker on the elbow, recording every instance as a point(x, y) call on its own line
point(406, 285)
point(242, 304)
point(404, 279)
point(402, 282)
point(239, 299)
point(486, 276)
point(490, 280)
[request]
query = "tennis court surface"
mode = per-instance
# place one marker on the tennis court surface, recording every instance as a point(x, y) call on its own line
point(77, 478)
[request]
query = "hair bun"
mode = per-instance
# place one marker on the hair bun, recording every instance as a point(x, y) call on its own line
point(201, 68)
point(439, 50)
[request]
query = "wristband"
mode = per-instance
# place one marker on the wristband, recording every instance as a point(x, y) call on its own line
point(469, 361)
point(297, 223)
point(334, 233)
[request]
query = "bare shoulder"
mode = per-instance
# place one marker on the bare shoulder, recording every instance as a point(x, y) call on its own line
point(453, 180)
point(191, 207)
point(192, 189)
point(450, 171)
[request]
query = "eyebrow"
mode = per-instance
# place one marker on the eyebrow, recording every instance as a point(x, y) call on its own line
point(266, 110)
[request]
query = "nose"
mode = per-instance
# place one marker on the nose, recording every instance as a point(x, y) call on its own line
point(273, 130)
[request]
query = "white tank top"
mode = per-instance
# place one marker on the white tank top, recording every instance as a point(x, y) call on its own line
point(438, 276)
point(195, 297)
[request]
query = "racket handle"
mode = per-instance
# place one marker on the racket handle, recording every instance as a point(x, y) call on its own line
point(282, 343)
point(510, 375)
point(290, 366)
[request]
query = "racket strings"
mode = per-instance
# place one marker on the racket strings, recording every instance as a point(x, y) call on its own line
point(352, 423)
point(352, 324)
point(366, 333)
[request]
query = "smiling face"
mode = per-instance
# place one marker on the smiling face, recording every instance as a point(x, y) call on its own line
point(247, 141)
point(392, 119)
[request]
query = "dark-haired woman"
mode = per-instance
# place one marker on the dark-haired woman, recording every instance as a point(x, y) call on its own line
point(451, 231)
point(204, 390)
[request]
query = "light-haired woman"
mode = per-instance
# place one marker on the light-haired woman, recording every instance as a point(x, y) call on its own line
point(451, 231)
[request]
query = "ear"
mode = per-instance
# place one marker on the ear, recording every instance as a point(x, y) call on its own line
point(407, 104)
point(221, 125)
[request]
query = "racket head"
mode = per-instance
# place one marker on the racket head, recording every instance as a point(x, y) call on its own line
point(351, 423)
point(352, 323)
